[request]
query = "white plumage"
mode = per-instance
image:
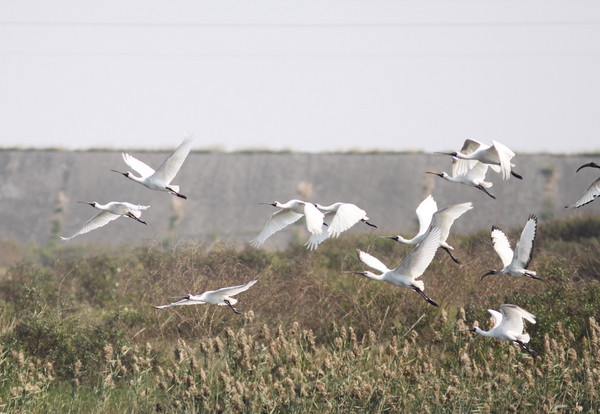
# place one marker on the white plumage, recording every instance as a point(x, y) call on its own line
point(109, 212)
point(429, 216)
point(515, 262)
point(221, 297)
point(509, 326)
point(289, 213)
point(473, 176)
point(159, 180)
point(412, 267)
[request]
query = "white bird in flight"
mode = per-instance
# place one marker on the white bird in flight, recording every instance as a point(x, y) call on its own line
point(474, 176)
point(221, 297)
point(289, 213)
point(497, 155)
point(110, 211)
point(429, 216)
point(413, 265)
point(509, 326)
point(591, 193)
point(338, 217)
point(515, 263)
point(160, 179)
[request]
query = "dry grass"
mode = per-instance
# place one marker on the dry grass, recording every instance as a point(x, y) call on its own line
point(79, 335)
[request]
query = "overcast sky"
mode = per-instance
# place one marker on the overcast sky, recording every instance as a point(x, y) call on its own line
point(313, 76)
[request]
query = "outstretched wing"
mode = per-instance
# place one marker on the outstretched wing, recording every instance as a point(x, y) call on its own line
point(138, 166)
point(497, 317)
point(425, 212)
point(279, 220)
point(590, 195)
point(444, 218)
point(314, 218)
point(524, 247)
point(99, 220)
point(171, 165)
point(372, 262)
point(477, 171)
point(513, 318)
point(316, 239)
point(505, 154)
point(347, 215)
point(233, 290)
point(415, 263)
point(502, 246)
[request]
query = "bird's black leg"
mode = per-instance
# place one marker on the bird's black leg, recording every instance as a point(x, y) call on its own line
point(451, 255)
point(232, 308)
point(176, 193)
point(427, 298)
point(482, 188)
point(514, 174)
point(526, 348)
point(368, 223)
point(532, 276)
point(135, 218)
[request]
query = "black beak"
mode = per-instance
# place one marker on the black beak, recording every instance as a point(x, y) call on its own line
point(86, 202)
point(491, 272)
point(119, 172)
point(434, 173)
point(589, 164)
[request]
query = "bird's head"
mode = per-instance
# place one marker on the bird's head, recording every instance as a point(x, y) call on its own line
point(126, 173)
point(589, 164)
point(91, 203)
point(491, 272)
point(439, 174)
point(395, 238)
point(367, 222)
point(274, 203)
point(454, 154)
point(473, 330)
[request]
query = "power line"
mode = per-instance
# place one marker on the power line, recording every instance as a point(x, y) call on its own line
point(331, 25)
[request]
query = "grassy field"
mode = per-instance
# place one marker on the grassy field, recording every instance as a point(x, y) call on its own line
point(78, 333)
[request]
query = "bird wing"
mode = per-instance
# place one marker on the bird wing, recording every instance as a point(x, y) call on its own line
point(316, 239)
point(372, 262)
point(425, 212)
point(497, 317)
point(445, 217)
point(279, 220)
point(143, 169)
point(347, 215)
point(233, 290)
point(524, 247)
point(188, 300)
point(415, 263)
point(134, 207)
point(477, 171)
point(99, 220)
point(171, 165)
point(513, 318)
point(462, 167)
point(314, 218)
point(504, 154)
point(590, 195)
point(502, 246)
point(470, 146)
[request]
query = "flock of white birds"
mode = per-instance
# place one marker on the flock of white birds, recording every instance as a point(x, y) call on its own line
point(469, 167)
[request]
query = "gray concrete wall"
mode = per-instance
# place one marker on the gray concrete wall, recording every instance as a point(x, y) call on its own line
point(38, 190)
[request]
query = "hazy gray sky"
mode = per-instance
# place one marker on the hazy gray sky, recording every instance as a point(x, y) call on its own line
point(303, 75)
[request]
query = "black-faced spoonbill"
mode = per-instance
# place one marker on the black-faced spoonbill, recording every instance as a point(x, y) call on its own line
point(472, 177)
point(509, 326)
point(515, 263)
point(110, 211)
point(413, 265)
point(221, 297)
point(429, 216)
point(160, 179)
point(591, 193)
point(339, 217)
point(497, 156)
point(289, 213)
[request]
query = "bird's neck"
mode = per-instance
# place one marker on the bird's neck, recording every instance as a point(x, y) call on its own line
point(371, 275)
point(482, 332)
